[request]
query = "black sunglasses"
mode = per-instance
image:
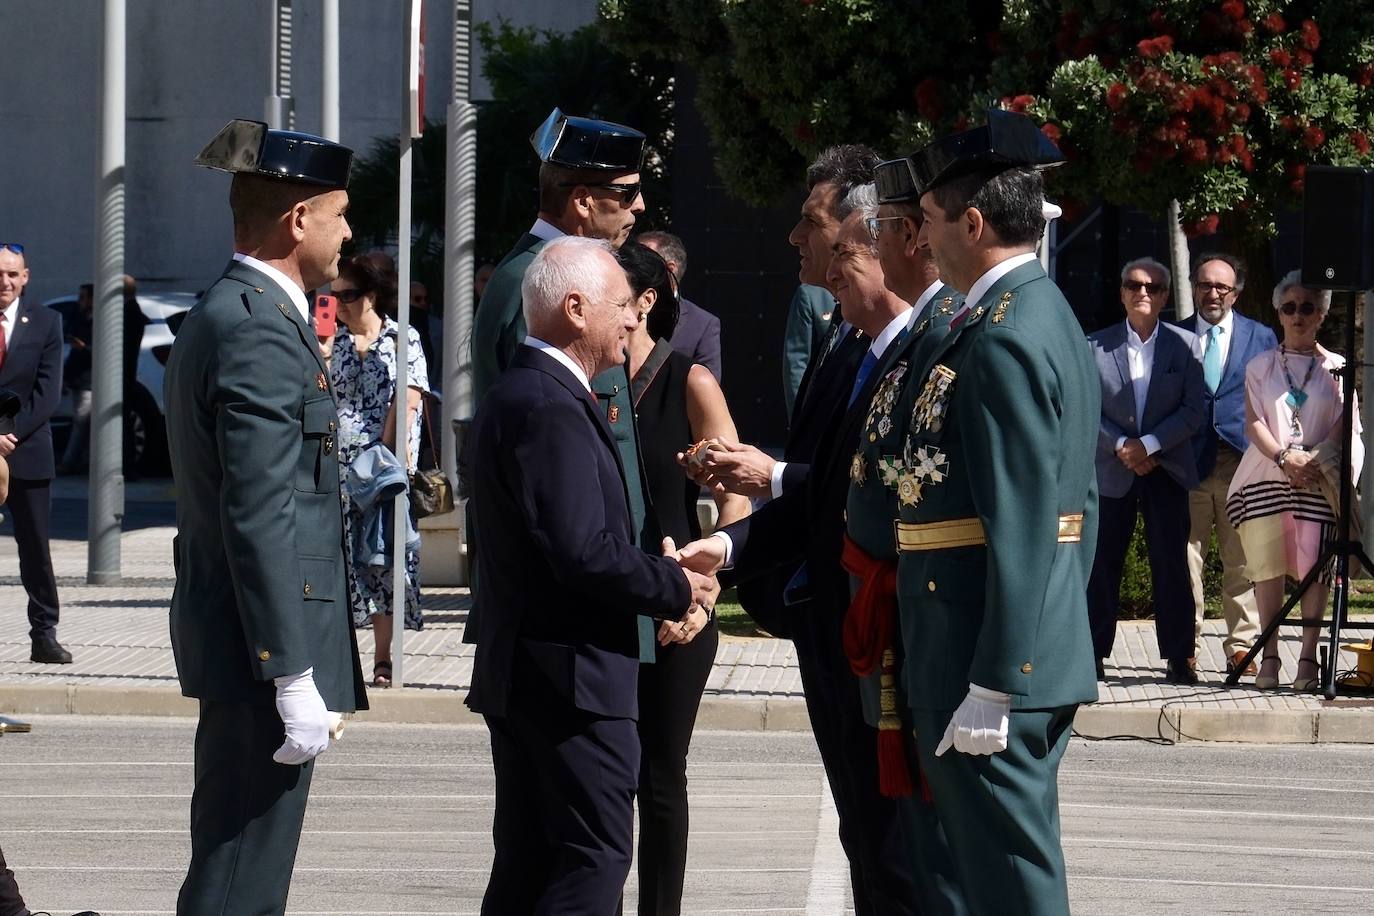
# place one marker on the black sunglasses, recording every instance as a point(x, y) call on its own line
point(12, 246)
point(1298, 308)
point(347, 295)
point(630, 191)
point(1132, 286)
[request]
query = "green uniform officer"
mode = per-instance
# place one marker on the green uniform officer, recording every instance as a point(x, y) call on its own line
point(809, 320)
point(997, 500)
point(260, 622)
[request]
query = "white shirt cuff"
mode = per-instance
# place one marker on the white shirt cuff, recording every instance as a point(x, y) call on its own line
point(1120, 441)
point(775, 479)
point(729, 547)
point(1151, 443)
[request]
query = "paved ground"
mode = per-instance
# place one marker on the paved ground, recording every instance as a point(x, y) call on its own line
point(95, 815)
point(124, 663)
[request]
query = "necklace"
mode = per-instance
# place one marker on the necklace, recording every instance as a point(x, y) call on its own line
point(1297, 394)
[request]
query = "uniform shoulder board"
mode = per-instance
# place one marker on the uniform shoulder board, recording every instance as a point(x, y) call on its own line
point(999, 311)
point(946, 306)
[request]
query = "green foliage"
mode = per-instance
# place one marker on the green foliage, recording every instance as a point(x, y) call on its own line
point(1220, 104)
point(530, 73)
point(1137, 600)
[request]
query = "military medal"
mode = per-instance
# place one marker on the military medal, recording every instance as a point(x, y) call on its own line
point(929, 410)
point(930, 466)
point(908, 489)
point(884, 399)
point(320, 381)
point(613, 413)
point(889, 470)
point(858, 469)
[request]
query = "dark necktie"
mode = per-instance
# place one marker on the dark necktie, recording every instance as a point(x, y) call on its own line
point(865, 369)
point(4, 347)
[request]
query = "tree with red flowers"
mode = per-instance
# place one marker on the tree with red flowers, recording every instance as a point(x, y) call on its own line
point(1220, 106)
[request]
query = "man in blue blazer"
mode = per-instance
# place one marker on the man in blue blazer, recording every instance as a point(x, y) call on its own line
point(31, 367)
point(1151, 405)
point(557, 661)
point(1232, 340)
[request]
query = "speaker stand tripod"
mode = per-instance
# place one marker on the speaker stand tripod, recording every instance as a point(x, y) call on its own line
point(1340, 548)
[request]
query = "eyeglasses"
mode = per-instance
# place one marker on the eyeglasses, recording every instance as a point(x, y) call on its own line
point(1221, 289)
point(629, 191)
point(1135, 286)
point(12, 246)
point(1304, 309)
point(874, 224)
point(347, 295)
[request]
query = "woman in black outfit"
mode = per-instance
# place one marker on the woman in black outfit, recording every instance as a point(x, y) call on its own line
point(677, 403)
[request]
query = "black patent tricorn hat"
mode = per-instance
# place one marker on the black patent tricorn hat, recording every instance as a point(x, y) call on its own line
point(1008, 140)
point(586, 143)
point(895, 181)
point(252, 147)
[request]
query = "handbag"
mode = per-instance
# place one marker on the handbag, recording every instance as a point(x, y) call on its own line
point(430, 490)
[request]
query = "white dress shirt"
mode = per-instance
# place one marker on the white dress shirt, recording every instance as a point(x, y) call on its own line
point(1227, 325)
point(1140, 360)
point(985, 282)
point(11, 316)
point(293, 290)
point(922, 299)
point(562, 357)
point(545, 230)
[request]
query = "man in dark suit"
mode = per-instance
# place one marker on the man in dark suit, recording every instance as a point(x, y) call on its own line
point(261, 628)
point(697, 333)
point(800, 534)
point(1151, 405)
point(1226, 342)
point(588, 185)
point(557, 660)
point(31, 367)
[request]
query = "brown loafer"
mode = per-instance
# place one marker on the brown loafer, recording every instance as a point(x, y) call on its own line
point(1234, 661)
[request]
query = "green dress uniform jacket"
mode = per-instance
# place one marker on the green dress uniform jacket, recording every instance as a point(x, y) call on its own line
point(998, 504)
point(259, 555)
point(498, 325)
point(808, 322)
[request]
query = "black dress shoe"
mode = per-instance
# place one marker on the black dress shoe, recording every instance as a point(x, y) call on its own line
point(1178, 671)
point(50, 653)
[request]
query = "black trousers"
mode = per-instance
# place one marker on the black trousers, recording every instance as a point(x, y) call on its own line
point(246, 814)
point(669, 696)
point(1164, 503)
point(564, 821)
point(871, 825)
point(30, 506)
point(11, 901)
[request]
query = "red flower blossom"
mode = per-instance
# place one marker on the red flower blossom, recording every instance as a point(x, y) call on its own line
point(1237, 143)
point(1052, 132)
point(1298, 173)
point(1304, 57)
point(1152, 48)
point(928, 103)
point(1245, 27)
point(1020, 103)
point(1360, 142)
point(1311, 37)
point(1195, 151)
point(1281, 57)
point(1313, 137)
point(1157, 20)
point(1366, 75)
point(1247, 161)
point(1274, 23)
point(1241, 113)
point(1292, 79)
point(1116, 96)
point(1290, 124)
point(1234, 9)
point(1208, 225)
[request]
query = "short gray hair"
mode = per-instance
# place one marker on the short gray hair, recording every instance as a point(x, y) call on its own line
point(563, 265)
point(1293, 280)
point(861, 197)
point(669, 246)
point(1148, 264)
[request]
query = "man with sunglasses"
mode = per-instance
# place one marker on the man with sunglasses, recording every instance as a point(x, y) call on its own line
point(1151, 405)
point(31, 367)
point(1226, 342)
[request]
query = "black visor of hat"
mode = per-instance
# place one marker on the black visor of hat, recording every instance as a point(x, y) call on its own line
point(250, 146)
point(586, 143)
point(1008, 140)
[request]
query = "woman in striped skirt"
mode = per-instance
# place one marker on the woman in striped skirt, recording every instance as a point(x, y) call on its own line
point(1281, 499)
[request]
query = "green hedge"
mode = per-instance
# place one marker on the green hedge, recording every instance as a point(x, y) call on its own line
point(1136, 601)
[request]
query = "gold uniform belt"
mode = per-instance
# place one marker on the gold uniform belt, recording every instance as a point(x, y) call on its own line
point(968, 532)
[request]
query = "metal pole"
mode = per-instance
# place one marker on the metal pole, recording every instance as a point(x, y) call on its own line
point(279, 109)
point(329, 81)
point(459, 234)
point(105, 507)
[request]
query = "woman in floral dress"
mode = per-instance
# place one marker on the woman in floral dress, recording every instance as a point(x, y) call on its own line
point(362, 365)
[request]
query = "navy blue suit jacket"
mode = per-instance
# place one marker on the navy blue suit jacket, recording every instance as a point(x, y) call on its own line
point(561, 576)
point(33, 371)
point(1224, 416)
point(1173, 406)
point(697, 336)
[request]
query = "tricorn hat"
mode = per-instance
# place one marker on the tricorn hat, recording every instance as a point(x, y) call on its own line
point(1008, 140)
point(895, 181)
point(586, 143)
point(251, 146)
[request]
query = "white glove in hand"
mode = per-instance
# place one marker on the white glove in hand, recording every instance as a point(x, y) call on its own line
point(979, 725)
point(302, 712)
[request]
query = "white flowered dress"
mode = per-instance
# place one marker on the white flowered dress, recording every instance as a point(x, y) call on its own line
point(364, 384)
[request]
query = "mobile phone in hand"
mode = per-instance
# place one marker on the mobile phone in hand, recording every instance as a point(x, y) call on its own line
point(326, 316)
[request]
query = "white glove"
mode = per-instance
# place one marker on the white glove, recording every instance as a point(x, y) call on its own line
point(979, 725)
point(302, 712)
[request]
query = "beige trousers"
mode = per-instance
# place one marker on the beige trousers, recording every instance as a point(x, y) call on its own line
point(1207, 509)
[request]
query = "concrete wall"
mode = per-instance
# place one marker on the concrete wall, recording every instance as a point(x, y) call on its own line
point(192, 66)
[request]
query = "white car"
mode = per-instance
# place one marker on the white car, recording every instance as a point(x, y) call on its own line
point(144, 429)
